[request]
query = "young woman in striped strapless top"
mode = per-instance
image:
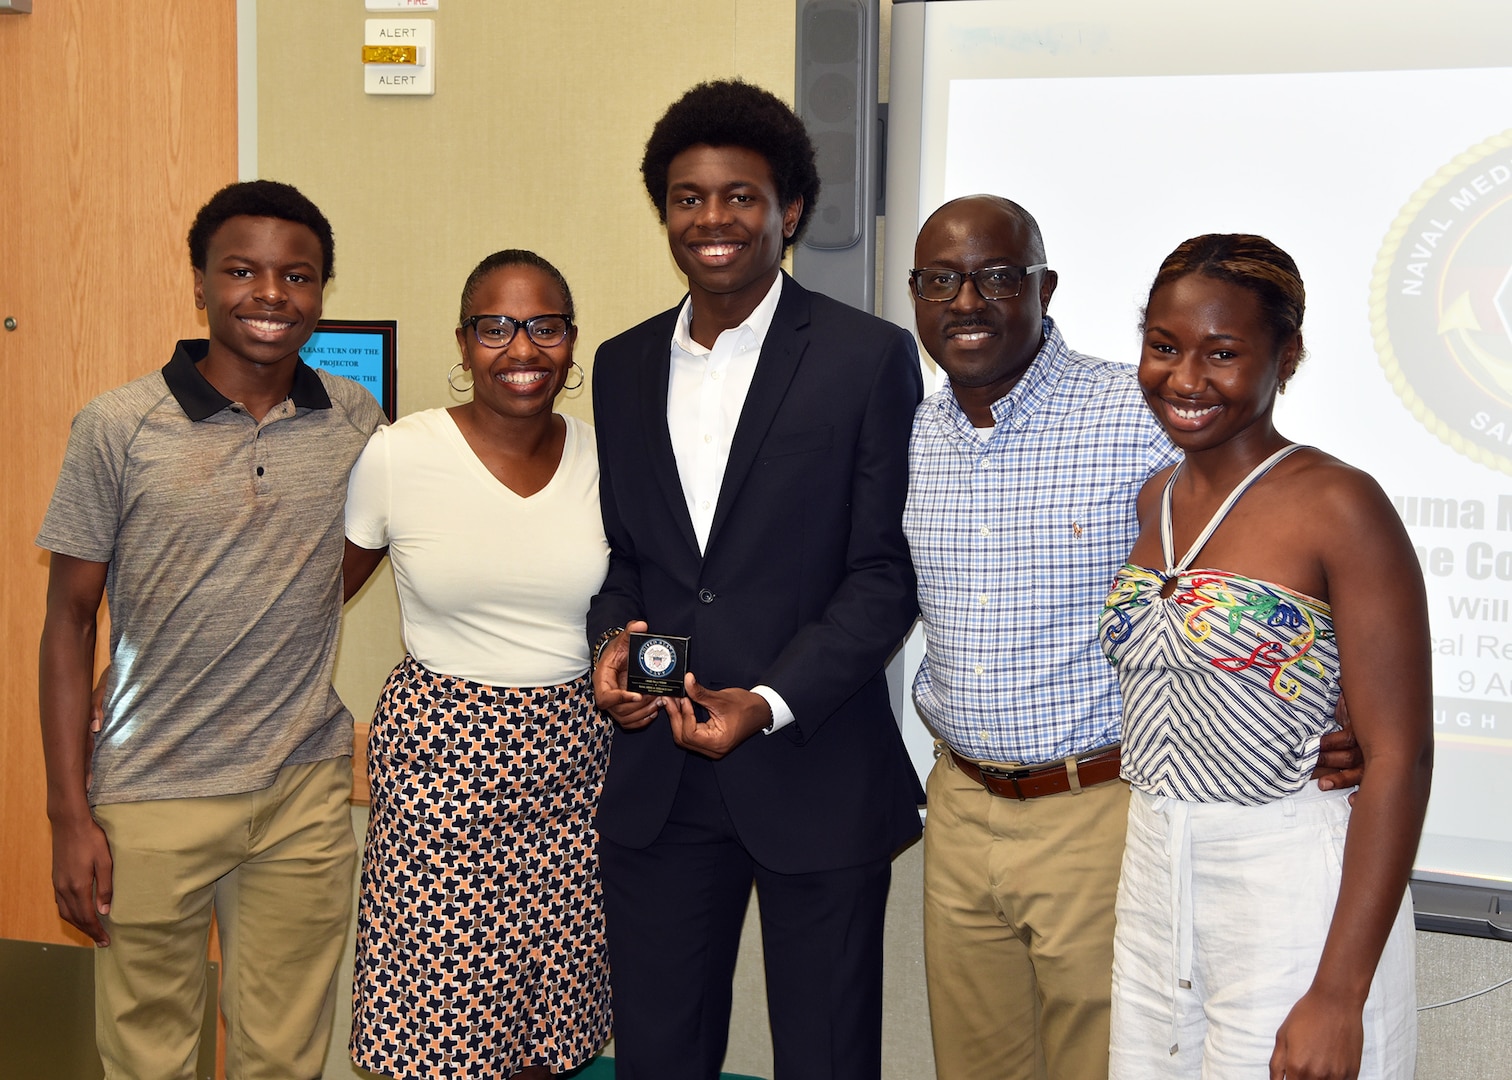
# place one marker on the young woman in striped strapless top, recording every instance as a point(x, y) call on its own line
point(1262, 923)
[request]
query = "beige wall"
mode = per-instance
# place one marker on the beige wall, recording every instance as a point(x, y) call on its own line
point(532, 139)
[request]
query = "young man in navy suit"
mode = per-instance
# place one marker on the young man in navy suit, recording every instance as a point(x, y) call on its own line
point(753, 448)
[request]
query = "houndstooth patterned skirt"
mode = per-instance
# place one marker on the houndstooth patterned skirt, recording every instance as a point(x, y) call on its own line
point(480, 933)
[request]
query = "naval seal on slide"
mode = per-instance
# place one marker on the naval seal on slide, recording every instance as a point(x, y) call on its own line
point(1441, 303)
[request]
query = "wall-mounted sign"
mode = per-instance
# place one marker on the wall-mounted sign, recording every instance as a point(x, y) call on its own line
point(361, 350)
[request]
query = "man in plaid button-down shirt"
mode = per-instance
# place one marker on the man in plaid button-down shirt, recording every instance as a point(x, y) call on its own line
point(1023, 475)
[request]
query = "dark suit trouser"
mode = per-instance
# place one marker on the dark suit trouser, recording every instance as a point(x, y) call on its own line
point(675, 911)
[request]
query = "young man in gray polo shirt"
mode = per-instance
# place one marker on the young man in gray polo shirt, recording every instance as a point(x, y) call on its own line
point(207, 500)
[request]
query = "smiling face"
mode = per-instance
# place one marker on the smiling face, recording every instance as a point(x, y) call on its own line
point(523, 378)
point(260, 290)
point(1210, 365)
point(984, 346)
point(726, 226)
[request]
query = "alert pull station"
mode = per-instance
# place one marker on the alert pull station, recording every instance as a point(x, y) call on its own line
point(399, 56)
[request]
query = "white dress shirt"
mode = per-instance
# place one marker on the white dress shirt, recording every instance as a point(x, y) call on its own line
point(706, 391)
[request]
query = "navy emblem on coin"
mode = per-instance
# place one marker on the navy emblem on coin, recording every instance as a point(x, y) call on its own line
point(660, 663)
point(1441, 303)
point(656, 658)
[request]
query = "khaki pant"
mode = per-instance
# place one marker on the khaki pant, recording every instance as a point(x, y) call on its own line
point(1018, 928)
point(276, 867)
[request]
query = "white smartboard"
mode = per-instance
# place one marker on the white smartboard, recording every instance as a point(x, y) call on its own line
point(1374, 143)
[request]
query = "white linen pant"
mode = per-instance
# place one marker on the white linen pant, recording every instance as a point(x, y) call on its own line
point(1222, 913)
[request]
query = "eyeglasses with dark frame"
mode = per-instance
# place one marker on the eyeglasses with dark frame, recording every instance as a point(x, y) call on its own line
point(937, 285)
point(497, 331)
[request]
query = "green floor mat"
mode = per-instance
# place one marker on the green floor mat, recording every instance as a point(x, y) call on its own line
point(602, 1068)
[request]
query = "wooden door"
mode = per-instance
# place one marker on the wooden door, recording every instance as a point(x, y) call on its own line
point(117, 122)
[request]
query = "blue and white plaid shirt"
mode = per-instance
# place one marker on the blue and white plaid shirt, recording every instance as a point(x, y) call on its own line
point(1016, 540)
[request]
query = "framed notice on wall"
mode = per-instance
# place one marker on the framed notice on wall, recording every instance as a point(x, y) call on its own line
point(358, 349)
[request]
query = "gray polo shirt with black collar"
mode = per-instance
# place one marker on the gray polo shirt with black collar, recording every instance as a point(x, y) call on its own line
point(224, 537)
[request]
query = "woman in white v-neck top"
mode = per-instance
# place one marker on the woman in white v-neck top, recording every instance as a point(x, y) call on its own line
point(493, 585)
point(1264, 927)
point(480, 945)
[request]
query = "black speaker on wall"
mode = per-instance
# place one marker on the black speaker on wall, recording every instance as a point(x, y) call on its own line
point(837, 99)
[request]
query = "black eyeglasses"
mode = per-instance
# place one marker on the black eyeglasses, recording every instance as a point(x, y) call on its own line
point(992, 282)
point(497, 331)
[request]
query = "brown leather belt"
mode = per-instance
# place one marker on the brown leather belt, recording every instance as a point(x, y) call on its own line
point(1031, 782)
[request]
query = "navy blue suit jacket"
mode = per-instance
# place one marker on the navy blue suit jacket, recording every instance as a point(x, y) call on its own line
point(805, 584)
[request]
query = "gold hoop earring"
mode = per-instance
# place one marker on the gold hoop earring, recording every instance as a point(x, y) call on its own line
point(581, 376)
point(451, 379)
